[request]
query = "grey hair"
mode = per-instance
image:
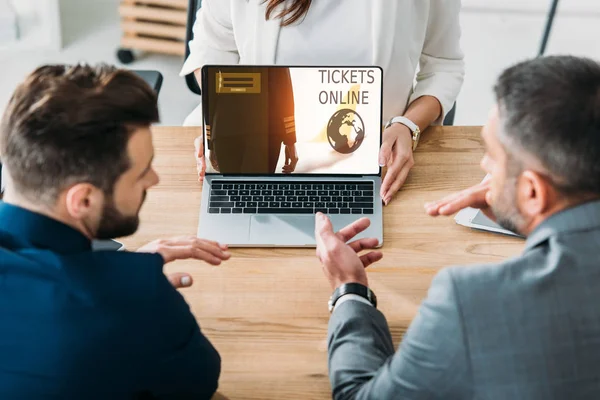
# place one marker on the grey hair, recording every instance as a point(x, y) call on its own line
point(550, 109)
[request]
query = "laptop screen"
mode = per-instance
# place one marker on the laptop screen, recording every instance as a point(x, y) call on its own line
point(292, 120)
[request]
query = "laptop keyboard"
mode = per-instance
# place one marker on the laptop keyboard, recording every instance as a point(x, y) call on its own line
point(274, 197)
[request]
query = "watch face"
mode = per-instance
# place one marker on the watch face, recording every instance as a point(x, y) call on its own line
point(416, 137)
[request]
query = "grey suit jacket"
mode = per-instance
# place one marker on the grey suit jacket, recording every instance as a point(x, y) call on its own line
point(526, 328)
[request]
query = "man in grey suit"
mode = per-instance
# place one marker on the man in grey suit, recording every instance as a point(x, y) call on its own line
point(525, 328)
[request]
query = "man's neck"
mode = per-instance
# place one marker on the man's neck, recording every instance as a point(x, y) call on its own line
point(53, 213)
point(560, 205)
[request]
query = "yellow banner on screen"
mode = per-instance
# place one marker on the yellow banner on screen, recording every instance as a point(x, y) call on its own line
point(238, 82)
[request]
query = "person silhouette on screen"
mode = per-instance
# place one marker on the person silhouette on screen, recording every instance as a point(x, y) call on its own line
point(248, 126)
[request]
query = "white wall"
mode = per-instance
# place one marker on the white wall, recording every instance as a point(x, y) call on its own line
point(39, 25)
point(8, 23)
point(574, 7)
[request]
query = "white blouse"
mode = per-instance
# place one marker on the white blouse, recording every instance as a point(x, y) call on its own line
point(323, 38)
point(415, 42)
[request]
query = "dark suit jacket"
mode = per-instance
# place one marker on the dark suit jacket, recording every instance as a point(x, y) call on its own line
point(525, 328)
point(77, 324)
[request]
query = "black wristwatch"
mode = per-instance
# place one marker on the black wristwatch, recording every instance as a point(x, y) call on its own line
point(352, 288)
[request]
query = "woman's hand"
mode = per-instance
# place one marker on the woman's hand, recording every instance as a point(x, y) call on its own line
point(396, 153)
point(200, 160)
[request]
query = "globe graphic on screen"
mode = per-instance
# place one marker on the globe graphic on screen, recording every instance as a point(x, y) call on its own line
point(345, 131)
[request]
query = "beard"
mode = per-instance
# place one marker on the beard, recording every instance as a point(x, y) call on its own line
point(506, 210)
point(113, 224)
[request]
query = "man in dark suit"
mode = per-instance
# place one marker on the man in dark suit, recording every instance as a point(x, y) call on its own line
point(76, 324)
point(249, 114)
point(523, 328)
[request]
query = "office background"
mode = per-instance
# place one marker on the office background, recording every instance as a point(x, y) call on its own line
point(496, 33)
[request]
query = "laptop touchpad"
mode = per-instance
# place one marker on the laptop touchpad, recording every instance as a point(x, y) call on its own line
point(231, 229)
point(282, 229)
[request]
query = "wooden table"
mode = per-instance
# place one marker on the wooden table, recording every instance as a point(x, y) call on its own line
point(266, 309)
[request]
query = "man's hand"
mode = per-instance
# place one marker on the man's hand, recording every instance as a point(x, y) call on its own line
point(395, 153)
point(291, 159)
point(200, 160)
point(341, 262)
point(476, 196)
point(180, 280)
point(185, 247)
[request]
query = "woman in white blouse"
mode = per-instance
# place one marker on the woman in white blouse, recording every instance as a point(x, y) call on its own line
point(416, 42)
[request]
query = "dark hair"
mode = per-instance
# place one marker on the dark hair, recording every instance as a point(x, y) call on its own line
point(71, 124)
point(290, 14)
point(550, 108)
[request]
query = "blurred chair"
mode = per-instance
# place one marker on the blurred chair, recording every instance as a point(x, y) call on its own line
point(153, 78)
point(449, 120)
point(548, 28)
point(193, 7)
point(156, 26)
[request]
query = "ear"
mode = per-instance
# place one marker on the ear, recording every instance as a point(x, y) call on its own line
point(82, 200)
point(534, 194)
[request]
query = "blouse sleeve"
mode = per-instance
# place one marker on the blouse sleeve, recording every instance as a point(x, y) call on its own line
point(213, 41)
point(441, 66)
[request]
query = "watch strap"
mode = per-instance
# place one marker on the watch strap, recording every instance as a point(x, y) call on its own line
point(404, 121)
point(414, 128)
point(352, 288)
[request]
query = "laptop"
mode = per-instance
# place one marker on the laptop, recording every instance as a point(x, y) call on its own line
point(283, 143)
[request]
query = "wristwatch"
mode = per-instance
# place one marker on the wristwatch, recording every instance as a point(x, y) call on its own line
point(414, 128)
point(352, 288)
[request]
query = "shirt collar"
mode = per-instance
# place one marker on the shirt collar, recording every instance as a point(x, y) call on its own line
point(41, 231)
point(583, 217)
